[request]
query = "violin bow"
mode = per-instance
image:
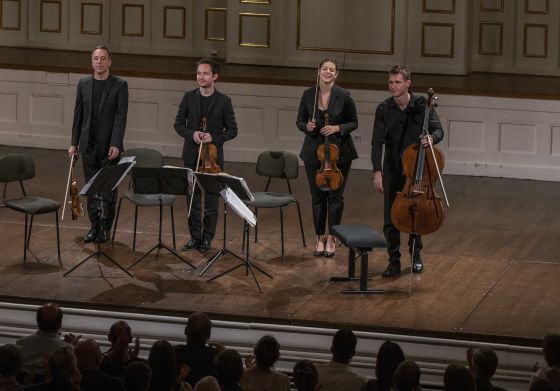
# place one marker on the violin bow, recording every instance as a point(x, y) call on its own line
point(425, 131)
point(67, 185)
point(196, 169)
point(315, 100)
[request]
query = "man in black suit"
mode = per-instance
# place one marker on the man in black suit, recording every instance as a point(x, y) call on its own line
point(204, 102)
point(98, 132)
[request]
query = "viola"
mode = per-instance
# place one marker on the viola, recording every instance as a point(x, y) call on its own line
point(208, 155)
point(72, 188)
point(328, 176)
point(418, 209)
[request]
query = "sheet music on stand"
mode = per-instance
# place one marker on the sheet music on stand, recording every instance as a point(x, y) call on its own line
point(121, 168)
point(238, 206)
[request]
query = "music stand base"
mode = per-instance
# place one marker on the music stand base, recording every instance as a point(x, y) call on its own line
point(160, 246)
point(98, 254)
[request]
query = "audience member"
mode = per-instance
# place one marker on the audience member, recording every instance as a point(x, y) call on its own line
point(305, 376)
point(62, 370)
point(11, 361)
point(540, 384)
point(389, 356)
point(336, 375)
point(551, 353)
point(46, 339)
point(137, 376)
point(197, 354)
point(89, 358)
point(259, 375)
point(119, 354)
point(458, 378)
point(165, 374)
point(229, 369)
point(483, 363)
point(407, 376)
point(207, 383)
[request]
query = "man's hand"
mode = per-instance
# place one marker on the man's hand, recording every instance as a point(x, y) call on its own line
point(217, 345)
point(250, 362)
point(426, 141)
point(71, 338)
point(73, 150)
point(113, 153)
point(378, 181)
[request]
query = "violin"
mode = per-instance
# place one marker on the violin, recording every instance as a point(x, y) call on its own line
point(418, 209)
point(72, 189)
point(208, 154)
point(328, 176)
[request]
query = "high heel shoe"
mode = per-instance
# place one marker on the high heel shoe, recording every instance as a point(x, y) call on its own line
point(317, 253)
point(329, 254)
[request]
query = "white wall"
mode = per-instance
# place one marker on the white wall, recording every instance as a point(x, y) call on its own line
point(518, 138)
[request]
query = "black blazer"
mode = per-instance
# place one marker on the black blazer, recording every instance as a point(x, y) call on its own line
point(220, 124)
point(112, 111)
point(342, 112)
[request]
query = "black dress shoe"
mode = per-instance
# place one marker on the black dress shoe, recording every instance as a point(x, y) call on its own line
point(91, 235)
point(205, 246)
point(102, 236)
point(191, 244)
point(393, 269)
point(417, 265)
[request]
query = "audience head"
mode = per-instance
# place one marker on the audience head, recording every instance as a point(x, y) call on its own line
point(551, 349)
point(343, 346)
point(163, 364)
point(389, 356)
point(541, 384)
point(62, 367)
point(407, 376)
point(267, 352)
point(88, 355)
point(458, 378)
point(208, 383)
point(229, 367)
point(49, 318)
point(137, 376)
point(305, 376)
point(484, 363)
point(199, 328)
point(117, 329)
point(11, 360)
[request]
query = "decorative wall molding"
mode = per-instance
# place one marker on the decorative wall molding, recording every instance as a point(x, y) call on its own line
point(7, 19)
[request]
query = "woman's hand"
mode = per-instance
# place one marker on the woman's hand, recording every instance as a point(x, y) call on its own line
point(330, 129)
point(311, 126)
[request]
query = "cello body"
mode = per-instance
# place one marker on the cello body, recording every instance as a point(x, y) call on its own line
point(418, 208)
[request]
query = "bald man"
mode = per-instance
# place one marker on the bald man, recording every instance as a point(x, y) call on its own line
point(46, 339)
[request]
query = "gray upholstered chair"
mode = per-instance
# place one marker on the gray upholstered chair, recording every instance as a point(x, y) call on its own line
point(279, 165)
point(17, 168)
point(145, 157)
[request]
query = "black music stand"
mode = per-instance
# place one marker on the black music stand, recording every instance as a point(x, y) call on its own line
point(214, 184)
point(105, 181)
point(160, 180)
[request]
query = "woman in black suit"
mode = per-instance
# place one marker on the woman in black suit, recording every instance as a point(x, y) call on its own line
point(327, 98)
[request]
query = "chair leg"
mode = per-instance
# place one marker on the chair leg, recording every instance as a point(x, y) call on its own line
point(58, 239)
point(25, 244)
point(282, 228)
point(116, 221)
point(29, 232)
point(135, 224)
point(172, 226)
point(300, 223)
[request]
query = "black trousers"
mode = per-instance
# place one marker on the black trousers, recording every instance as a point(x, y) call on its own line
point(93, 161)
point(203, 228)
point(326, 203)
point(392, 183)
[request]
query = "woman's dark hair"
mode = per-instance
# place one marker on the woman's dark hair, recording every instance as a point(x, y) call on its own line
point(305, 375)
point(389, 356)
point(163, 365)
point(328, 59)
point(267, 352)
point(551, 349)
point(229, 367)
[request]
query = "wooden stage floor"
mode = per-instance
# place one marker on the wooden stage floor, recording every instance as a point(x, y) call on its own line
point(491, 272)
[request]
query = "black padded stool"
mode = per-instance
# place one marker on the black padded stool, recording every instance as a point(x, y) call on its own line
point(360, 238)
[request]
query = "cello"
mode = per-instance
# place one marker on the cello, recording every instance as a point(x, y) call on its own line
point(418, 209)
point(328, 176)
